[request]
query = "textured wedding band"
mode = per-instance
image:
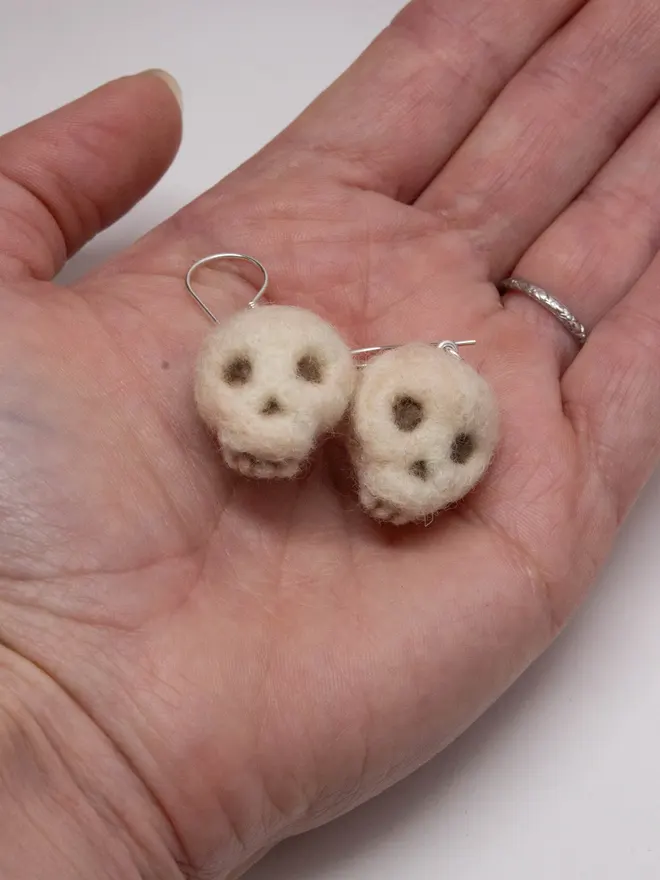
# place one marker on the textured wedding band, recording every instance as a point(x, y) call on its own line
point(566, 318)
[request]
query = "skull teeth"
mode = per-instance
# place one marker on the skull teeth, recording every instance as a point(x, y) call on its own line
point(381, 510)
point(260, 468)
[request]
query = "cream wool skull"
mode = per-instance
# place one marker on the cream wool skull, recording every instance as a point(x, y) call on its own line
point(425, 428)
point(269, 382)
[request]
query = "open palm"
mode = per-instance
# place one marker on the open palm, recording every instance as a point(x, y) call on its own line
point(226, 662)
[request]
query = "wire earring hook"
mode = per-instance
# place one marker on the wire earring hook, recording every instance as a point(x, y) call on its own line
point(212, 258)
point(448, 345)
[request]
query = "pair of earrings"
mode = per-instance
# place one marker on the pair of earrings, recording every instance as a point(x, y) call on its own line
point(272, 380)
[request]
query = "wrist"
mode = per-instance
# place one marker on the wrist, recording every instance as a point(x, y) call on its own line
point(69, 806)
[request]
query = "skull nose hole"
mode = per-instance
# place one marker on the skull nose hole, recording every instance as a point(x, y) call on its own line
point(420, 469)
point(271, 407)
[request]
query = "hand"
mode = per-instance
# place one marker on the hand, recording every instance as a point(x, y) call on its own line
point(205, 665)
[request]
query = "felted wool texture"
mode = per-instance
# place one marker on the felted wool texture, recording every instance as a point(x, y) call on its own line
point(425, 427)
point(269, 382)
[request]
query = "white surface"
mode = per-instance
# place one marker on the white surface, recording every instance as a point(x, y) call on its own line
point(561, 780)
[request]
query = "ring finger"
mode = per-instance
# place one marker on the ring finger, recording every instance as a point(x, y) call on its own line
point(594, 253)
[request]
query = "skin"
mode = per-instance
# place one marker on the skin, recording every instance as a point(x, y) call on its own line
point(193, 667)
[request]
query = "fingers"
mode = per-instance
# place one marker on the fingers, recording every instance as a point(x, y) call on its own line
point(394, 117)
point(552, 129)
point(386, 125)
point(599, 247)
point(612, 393)
point(402, 109)
point(65, 177)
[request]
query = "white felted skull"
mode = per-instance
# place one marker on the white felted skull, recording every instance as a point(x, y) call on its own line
point(269, 382)
point(425, 428)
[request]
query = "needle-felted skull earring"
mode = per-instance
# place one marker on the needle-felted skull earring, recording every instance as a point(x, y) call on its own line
point(425, 427)
point(270, 381)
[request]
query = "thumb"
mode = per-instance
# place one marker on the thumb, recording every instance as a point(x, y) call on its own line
point(72, 173)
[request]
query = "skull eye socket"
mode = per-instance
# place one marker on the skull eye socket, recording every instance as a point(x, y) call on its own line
point(310, 369)
point(238, 371)
point(407, 413)
point(462, 448)
point(420, 469)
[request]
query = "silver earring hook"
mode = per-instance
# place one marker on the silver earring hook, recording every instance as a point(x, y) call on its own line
point(211, 259)
point(447, 345)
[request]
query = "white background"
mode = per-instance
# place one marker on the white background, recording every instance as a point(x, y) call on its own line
point(561, 780)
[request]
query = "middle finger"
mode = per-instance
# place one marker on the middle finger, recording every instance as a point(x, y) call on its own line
point(551, 130)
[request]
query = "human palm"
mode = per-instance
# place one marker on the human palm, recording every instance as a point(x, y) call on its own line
point(245, 659)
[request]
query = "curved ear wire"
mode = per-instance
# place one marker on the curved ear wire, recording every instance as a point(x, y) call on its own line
point(447, 345)
point(212, 258)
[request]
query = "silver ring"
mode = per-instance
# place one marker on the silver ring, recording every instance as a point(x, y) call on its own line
point(566, 318)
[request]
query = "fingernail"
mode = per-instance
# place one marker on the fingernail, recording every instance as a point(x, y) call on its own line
point(169, 80)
